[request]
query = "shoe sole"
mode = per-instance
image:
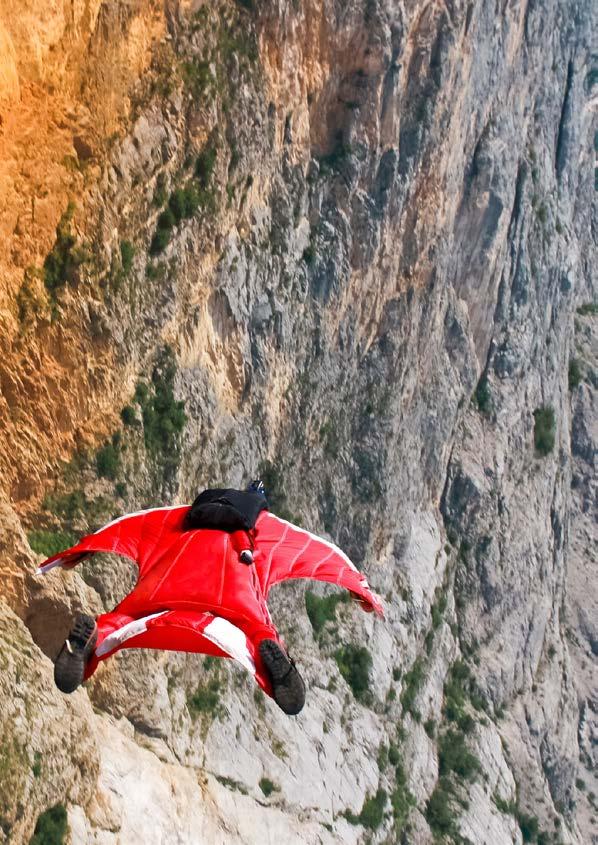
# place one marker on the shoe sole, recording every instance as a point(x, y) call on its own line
point(69, 666)
point(287, 683)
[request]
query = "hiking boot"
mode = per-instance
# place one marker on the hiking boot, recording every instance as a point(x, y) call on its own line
point(287, 683)
point(69, 666)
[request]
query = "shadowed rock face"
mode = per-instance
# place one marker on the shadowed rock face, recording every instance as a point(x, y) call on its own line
point(351, 238)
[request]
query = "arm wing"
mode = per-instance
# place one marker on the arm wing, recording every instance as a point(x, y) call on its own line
point(287, 551)
point(135, 536)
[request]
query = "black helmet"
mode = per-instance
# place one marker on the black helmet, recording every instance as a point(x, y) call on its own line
point(256, 486)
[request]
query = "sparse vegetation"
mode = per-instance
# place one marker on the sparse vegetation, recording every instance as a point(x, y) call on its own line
point(482, 396)
point(48, 543)
point(160, 239)
point(372, 812)
point(62, 263)
point(528, 826)
point(338, 155)
point(430, 727)
point(411, 685)
point(184, 202)
point(268, 787)
point(108, 459)
point(160, 193)
point(507, 807)
point(438, 609)
point(588, 309)
point(401, 800)
point(51, 827)
point(127, 254)
point(322, 610)
point(454, 756)
point(575, 373)
point(455, 692)
point(394, 756)
point(204, 166)
point(36, 768)
point(542, 213)
point(544, 429)
point(439, 813)
point(163, 416)
point(128, 415)
point(205, 699)
point(309, 254)
point(198, 77)
point(230, 783)
point(354, 663)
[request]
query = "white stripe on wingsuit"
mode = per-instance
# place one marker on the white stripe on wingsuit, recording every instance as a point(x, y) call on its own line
point(231, 640)
point(41, 570)
point(318, 540)
point(121, 635)
point(139, 513)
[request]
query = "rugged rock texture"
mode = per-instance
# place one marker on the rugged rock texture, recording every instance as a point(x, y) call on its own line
point(381, 225)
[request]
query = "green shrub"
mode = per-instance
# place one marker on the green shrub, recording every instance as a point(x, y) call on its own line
point(268, 787)
point(382, 759)
point(198, 77)
point(61, 263)
point(184, 203)
point(142, 393)
point(542, 213)
point(355, 663)
point(309, 255)
point(160, 194)
point(66, 505)
point(401, 801)
point(127, 254)
point(411, 685)
point(439, 813)
point(528, 826)
point(159, 241)
point(49, 543)
point(438, 609)
point(483, 397)
point(205, 699)
point(51, 827)
point(167, 220)
point(588, 309)
point(36, 768)
point(108, 461)
point(329, 438)
point(544, 429)
point(575, 373)
point(454, 756)
point(336, 157)
point(430, 727)
point(128, 415)
point(322, 610)
point(372, 812)
point(163, 416)
point(455, 691)
point(204, 166)
point(394, 757)
point(504, 806)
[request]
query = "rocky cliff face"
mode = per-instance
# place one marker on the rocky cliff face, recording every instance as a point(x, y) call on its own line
point(352, 239)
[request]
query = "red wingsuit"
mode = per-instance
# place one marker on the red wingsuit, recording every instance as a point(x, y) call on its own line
point(194, 594)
